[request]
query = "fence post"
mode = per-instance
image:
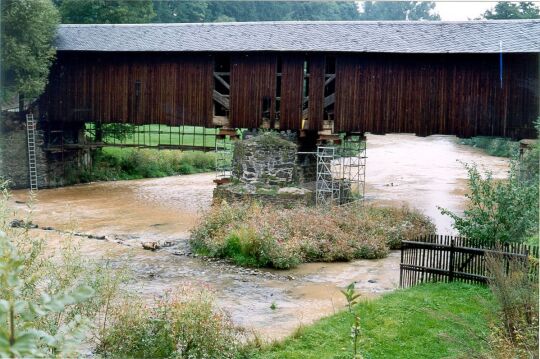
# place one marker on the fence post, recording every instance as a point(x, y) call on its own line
point(401, 267)
point(451, 266)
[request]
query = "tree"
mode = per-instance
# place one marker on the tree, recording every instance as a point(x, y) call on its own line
point(106, 11)
point(509, 10)
point(28, 29)
point(403, 10)
point(280, 10)
point(179, 11)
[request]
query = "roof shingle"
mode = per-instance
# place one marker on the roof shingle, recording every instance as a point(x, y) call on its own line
point(339, 36)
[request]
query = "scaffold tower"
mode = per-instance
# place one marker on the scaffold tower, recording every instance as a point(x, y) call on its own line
point(341, 171)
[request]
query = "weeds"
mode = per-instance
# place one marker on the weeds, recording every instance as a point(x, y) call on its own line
point(515, 332)
point(67, 296)
point(494, 146)
point(183, 324)
point(255, 235)
point(120, 164)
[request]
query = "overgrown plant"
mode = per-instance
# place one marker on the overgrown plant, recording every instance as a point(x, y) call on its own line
point(20, 333)
point(515, 332)
point(183, 324)
point(498, 211)
point(257, 235)
point(55, 284)
point(351, 296)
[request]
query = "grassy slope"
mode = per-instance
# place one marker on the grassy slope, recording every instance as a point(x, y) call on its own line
point(153, 135)
point(429, 321)
point(494, 146)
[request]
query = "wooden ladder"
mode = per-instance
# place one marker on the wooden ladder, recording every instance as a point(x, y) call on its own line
point(32, 162)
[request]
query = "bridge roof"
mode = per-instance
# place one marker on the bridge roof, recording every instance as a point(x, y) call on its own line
point(517, 36)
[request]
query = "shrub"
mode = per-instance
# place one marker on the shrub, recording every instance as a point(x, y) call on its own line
point(498, 211)
point(255, 235)
point(184, 324)
point(515, 331)
point(117, 164)
point(494, 146)
point(55, 286)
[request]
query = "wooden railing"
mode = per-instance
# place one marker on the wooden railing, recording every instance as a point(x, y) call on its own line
point(438, 258)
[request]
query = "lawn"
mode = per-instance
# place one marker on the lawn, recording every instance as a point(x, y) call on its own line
point(429, 321)
point(154, 135)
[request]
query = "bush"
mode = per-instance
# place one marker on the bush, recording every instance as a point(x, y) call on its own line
point(184, 324)
point(255, 235)
point(119, 164)
point(515, 331)
point(494, 146)
point(55, 305)
point(498, 211)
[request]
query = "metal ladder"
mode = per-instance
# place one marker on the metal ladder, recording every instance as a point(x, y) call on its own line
point(32, 162)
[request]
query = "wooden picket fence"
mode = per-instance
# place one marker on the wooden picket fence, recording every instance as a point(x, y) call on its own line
point(439, 258)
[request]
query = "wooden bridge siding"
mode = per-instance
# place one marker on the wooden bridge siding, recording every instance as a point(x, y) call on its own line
point(253, 77)
point(292, 79)
point(523, 94)
point(431, 94)
point(174, 89)
point(317, 70)
point(425, 94)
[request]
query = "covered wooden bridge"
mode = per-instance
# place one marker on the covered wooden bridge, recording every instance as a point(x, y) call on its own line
point(457, 78)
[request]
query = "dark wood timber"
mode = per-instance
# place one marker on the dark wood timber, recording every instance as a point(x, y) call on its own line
point(428, 94)
point(292, 78)
point(453, 94)
point(135, 88)
point(317, 66)
point(253, 83)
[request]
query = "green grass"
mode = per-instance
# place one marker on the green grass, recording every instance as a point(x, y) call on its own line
point(494, 146)
point(429, 321)
point(154, 135)
point(113, 163)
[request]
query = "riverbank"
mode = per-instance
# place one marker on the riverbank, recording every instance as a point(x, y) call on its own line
point(402, 170)
point(429, 321)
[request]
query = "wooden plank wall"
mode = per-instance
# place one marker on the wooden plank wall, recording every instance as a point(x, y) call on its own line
point(292, 78)
point(253, 78)
point(437, 94)
point(317, 69)
point(135, 88)
point(423, 94)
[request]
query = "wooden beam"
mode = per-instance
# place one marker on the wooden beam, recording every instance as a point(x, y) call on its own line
point(223, 100)
point(329, 100)
point(330, 79)
point(220, 79)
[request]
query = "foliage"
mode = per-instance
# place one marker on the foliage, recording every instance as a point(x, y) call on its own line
point(27, 31)
point(428, 321)
point(399, 10)
point(505, 10)
point(183, 324)
point(120, 164)
point(19, 318)
point(106, 11)
point(53, 284)
point(498, 211)
point(255, 235)
point(350, 296)
point(494, 146)
point(280, 10)
point(515, 334)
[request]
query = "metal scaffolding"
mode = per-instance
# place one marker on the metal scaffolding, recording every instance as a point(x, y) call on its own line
point(224, 153)
point(341, 171)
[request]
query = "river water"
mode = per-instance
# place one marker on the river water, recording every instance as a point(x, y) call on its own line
point(401, 169)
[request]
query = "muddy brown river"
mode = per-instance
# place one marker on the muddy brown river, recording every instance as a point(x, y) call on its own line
point(401, 169)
